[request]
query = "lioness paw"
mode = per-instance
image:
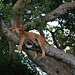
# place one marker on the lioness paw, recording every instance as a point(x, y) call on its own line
point(19, 48)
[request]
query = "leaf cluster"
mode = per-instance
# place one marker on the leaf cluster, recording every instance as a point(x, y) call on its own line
point(6, 11)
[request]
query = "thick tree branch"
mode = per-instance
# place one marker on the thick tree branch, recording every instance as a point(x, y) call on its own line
point(50, 51)
point(4, 31)
point(61, 10)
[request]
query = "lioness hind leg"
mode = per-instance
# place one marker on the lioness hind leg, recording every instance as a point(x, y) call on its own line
point(43, 52)
point(41, 43)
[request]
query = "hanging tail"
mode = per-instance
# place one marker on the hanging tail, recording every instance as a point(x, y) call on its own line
point(47, 43)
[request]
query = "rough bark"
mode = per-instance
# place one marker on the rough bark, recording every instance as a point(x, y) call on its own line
point(11, 48)
point(11, 43)
point(4, 31)
point(48, 63)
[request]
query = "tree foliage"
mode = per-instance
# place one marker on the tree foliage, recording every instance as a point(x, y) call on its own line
point(5, 11)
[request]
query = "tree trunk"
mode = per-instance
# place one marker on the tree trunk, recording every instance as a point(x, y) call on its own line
point(11, 48)
point(11, 43)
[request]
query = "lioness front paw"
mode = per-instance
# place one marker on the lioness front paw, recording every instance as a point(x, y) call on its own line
point(43, 55)
point(19, 48)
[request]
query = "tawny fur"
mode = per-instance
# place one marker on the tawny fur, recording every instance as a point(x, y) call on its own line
point(19, 30)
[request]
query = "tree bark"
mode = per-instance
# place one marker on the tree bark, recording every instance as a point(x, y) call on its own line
point(11, 43)
point(11, 48)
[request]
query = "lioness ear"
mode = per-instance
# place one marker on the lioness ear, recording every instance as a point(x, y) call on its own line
point(19, 26)
point(14, 30)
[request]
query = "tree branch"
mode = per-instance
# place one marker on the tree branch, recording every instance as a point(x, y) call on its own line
point(61, 10)
point(55, 42)
point(4, 31)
